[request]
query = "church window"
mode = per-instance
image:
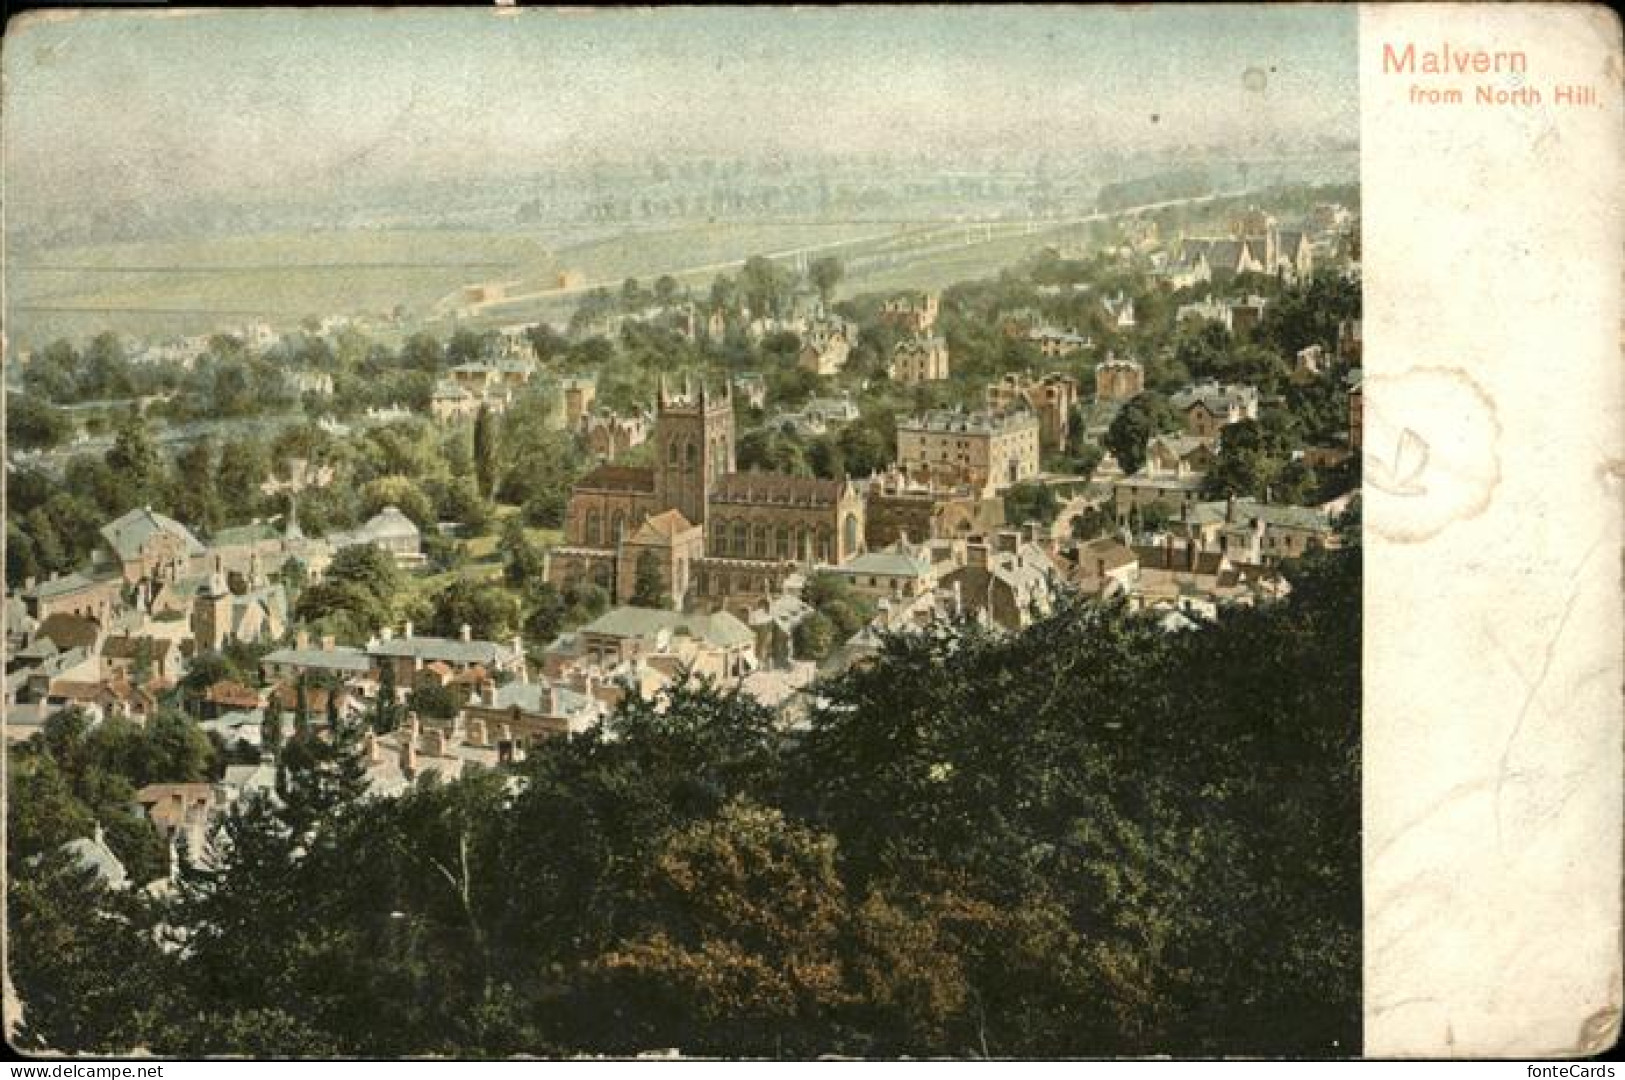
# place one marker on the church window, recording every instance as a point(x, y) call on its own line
point(782, 543)
point(741, 547)
point(760, 546)
point(595, 527)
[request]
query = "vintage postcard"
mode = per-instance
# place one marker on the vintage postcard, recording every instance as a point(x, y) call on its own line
point(968, 532)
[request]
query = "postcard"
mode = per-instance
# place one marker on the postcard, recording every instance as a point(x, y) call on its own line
point(952, 532)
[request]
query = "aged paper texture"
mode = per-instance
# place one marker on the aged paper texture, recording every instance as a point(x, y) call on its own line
point(1493, 439)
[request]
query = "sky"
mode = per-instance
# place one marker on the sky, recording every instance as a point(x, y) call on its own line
point(167, 105)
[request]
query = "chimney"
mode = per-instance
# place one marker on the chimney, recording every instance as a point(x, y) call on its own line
point(328, 642)
point(387, 634)
point(1230, 508)
point(465, 633)
point(301, 639)
point(406, 631)
point(504, 733)
point(1190, 548)
point(409, 755)
point(369, 747)
point(437, 743)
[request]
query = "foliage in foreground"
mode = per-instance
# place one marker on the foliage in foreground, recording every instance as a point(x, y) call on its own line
point(1089, 838)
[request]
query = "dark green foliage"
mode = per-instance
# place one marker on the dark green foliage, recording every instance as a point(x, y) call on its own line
point(1136, 423)
point(1091, 837)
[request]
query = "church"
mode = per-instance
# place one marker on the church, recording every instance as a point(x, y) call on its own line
point(718, 538)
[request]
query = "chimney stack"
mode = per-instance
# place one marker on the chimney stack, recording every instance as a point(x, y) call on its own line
point(387, 634)
point(465, 633)
point(369, 747)
point(406, 631)
point(409, 755)
point(328, 642)
point(301, 639)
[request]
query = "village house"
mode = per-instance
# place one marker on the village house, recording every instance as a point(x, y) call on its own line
point(526, 713)
point(1118, 380)
point(145, 545)
point(896, 574)
point(919, 359)
point(1103, 567)
point(913, 313)
point(1207, 407)
point(825, 346)
point(409, 654)
point(716, 644)
point(1005, 581)
point(1054, 344)
point(326, 658)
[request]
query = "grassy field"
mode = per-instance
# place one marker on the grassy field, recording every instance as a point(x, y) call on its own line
point(200, 286)
point(171, 289)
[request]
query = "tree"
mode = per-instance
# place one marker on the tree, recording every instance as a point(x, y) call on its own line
point(135, 459)
point(488, 609)
point(385, 717)
point(665, 289)
point(825, 273)
point(1139, 420)
point(485, 451)
point(271, 732)
point(764, 285)
point(648, 586)
point(33, 424)
point(1031, 502)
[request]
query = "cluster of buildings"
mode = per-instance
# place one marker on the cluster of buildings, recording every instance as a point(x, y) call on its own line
point(115, 636)
point(491, 383)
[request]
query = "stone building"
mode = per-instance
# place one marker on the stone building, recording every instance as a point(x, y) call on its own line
point(1050, 398)
point(919, 359)
point(915, 313)
point(985, 452)
point(896, 509)
point(1119, 380)
point(1207, 407)
point(770, 517)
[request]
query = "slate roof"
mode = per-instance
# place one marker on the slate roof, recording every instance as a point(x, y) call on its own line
point(341, 658)
point(258, 533)
point(129, 533)
point(448, 650)
point(886, 563)
point(719, 628)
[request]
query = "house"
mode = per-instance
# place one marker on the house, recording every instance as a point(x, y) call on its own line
point(898, 574)
point(1104, 567)
point(181, 812)
point(825, 347)
point(919, 359)
point(450, 402)
point(139, 656)
point(93, 855)
point(1004, 582)
point(409, 653)
point(914, 313)
point(717, 644)
point(1118, 380)
point(1207, 407)
point(328, 658)
point(1170, 456)
point(528, 712)
point(227, 696)
point(1055, 343)
point(751, 388)
point(148, 545)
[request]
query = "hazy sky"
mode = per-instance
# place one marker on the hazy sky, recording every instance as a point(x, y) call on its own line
point(127, 103)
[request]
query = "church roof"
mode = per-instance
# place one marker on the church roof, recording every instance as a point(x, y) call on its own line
point(619, 478)
point(777, 488)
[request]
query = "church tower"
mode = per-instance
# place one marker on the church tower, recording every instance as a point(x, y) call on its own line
point(694, 447)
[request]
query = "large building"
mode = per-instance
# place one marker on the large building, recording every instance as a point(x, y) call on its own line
point(919, 359)
point(983, 451)
point(1051, 398)
point(716, 537)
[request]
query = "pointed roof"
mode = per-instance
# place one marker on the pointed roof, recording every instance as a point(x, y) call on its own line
point(128, 534)
point(662, 528)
